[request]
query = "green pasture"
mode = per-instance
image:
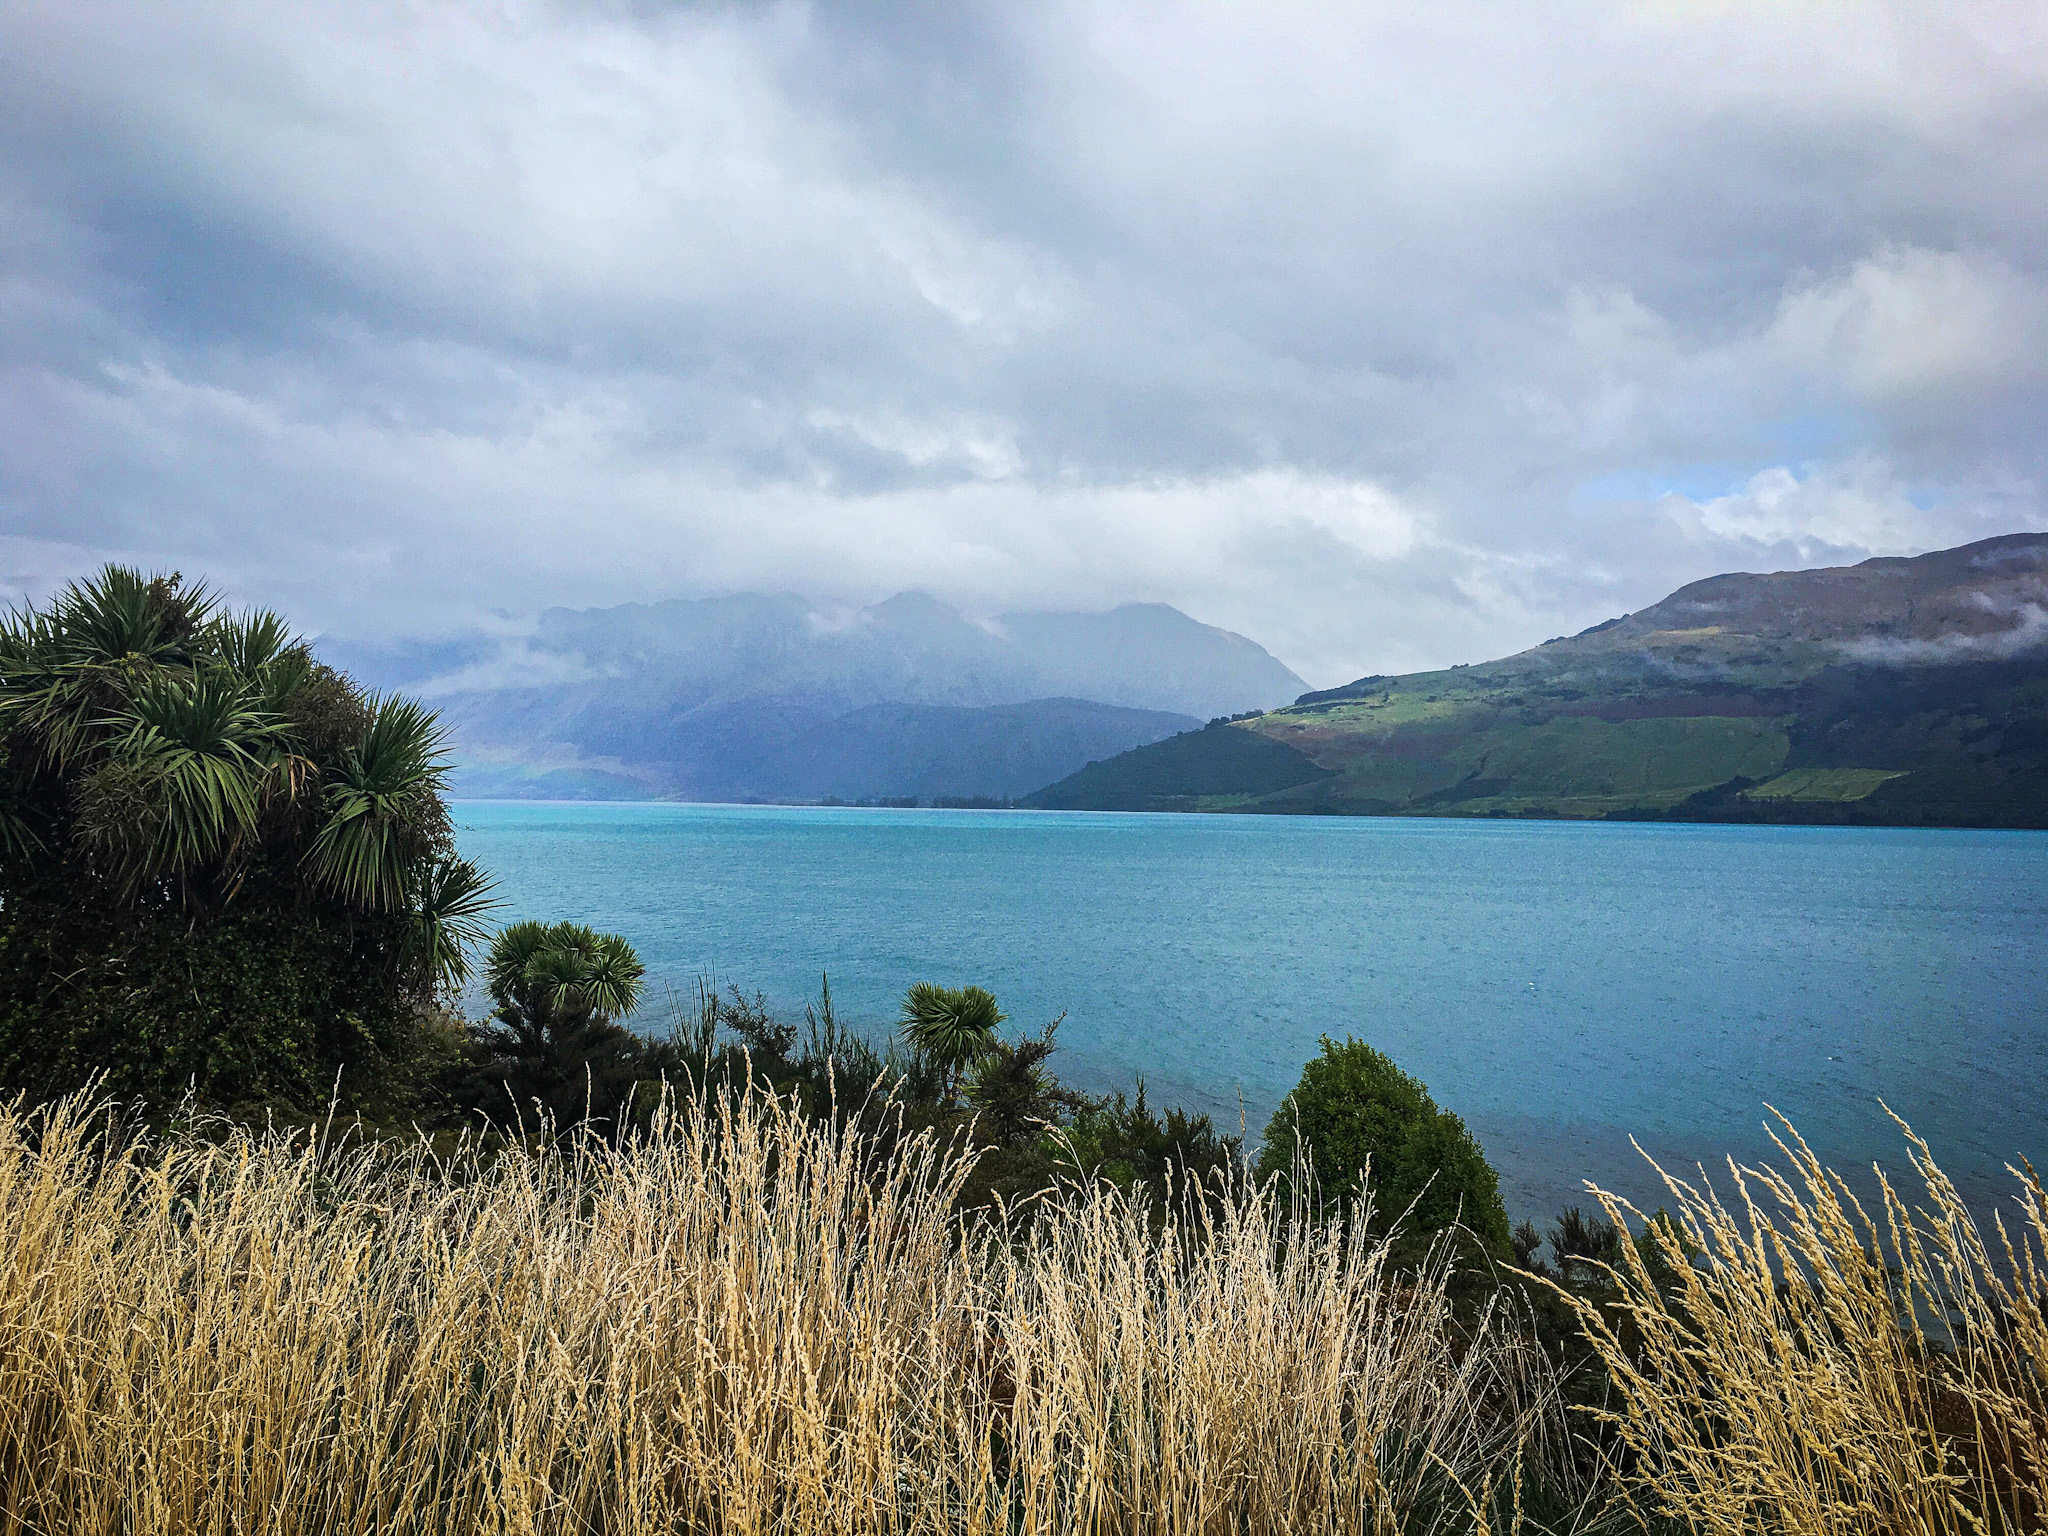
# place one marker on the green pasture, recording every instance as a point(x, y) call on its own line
point(1837, 785)
point(1577, 764)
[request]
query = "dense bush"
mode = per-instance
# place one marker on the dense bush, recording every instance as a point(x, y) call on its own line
point(1355, 1109)
point(947, 1072)
point(225, 871)
point(1125, 1142)
point(553, 1050)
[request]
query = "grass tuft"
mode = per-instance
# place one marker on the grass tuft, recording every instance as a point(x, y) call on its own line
point(740, 1320)
point(1792, 1362)
point(737, 1321)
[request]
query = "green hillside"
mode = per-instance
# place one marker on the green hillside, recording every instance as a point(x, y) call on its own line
point(1884, 693)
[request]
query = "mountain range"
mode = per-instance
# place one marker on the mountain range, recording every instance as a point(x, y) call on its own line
point(773, 698)
point(1898, 691)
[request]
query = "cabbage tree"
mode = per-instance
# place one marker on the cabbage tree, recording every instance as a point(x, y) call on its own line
point(548, 979)
point(949, 1026)
point(555, 1046)
point(241, 862)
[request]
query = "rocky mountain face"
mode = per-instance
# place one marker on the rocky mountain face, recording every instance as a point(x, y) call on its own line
point(1898, 691)
point(756, 697)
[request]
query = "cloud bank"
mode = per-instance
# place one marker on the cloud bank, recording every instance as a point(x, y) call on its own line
point(1388, 336)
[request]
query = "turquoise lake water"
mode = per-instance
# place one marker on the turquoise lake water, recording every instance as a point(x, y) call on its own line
point(1562, 986)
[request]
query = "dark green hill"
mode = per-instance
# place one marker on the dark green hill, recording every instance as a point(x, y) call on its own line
point(1218, 760)
point(1899, 692)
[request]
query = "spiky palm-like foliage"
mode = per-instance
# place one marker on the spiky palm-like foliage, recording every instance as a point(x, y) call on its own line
point(550, 978)
point(555, 1045)
point(950, 1026)
point(382, 807)
point(451, 903)
point(181, 784)
point(176, 779)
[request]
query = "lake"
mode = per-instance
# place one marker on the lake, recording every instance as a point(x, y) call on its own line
point(1563, 986)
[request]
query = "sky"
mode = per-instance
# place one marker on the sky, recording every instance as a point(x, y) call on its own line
point(1389, 336)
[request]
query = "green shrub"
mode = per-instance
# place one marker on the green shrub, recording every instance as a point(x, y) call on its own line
point(1125, 1142)
point(554, 1051)
point(1355, 1110)
point(949, 1027)
point(225, 871)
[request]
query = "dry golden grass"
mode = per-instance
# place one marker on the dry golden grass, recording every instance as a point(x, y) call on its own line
point(738, 1323)
point(1815, 1369)
point(744, 1322)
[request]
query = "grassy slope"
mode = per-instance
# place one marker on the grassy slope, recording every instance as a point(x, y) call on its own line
point(1218, 763)
point(1677, 725)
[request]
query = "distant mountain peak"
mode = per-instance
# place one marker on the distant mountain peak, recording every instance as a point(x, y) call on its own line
point(751, 694)
point(914, 607)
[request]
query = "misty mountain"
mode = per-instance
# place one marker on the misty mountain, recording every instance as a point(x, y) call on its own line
point(1897, 691)
point(1000, 750)
point(1976, 602)
point(758, 697)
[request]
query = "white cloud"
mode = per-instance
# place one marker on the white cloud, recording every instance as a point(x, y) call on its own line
point(2026, 632)
point(1906, 322)
point(1857, 506)
point(514, 665)
point(1371, 332)
point(982, 446)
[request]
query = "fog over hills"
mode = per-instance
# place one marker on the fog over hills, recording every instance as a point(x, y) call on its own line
point(1976, 602)
point(771, 697)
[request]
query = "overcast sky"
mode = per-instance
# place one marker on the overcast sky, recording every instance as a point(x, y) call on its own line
point(1388, 336)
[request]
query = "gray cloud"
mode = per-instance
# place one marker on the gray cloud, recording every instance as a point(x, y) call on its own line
point(1389, 337)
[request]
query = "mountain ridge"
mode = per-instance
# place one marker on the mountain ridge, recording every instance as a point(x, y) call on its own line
point(1909, 690)
point(756, 697)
